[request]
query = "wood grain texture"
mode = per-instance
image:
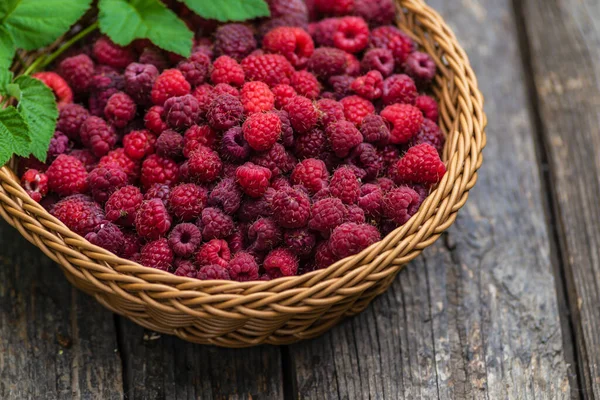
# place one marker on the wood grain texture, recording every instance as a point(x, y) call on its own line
point(55, 342)
point(565, 49)
point(476, 315)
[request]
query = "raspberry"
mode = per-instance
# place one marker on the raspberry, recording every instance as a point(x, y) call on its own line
point(60, 87)
point(215, 252)
point(406, 122)
point(343, 137)
point(108, 53)
point(420, 164)
point(35, 183)
point(204, 165)
point(152, 219)
point(108, 236)
point(295, 44)
point(367, 160)
point(352, 65)
point(78, 72)
point(280, 262)
point(351, 238)
point(327, 62)
point(287, 133)
point(70, 119)
point(299, 241)
point(213, 272)
point(186, 269)
point(291, 208)
point(302, 113)
point(243, 267)
point(375, 130)
point(351, 34)
point(139, 144)
point(356, 109)
point(330, 111)
point(345, 186)
point(185, 239)
point(120, 109)
point(98, 136)
point(122, 205)
point(355, 214)
point(257, 97)
point(341, 85)
point(226, 195)
point(157, 254)
point(305, 84)
point(322, 31)
point(139, 79)
point(233, 145)
point(104, 85)
point(87, 158)
point(385, 184)
point(283, 94)
point(376, 13)
point(277, 160)
point(154, 121)
point(158, 191)
point(337, 7)
point(379, 59)
point(227, 70)
point(272, 69)
point(421, 67)
point(157, 169)
point(264, 234)
point(399, 89)
point(422, 190)
point(153, 56)
point(428, 106)
point(59, 144)
point(131, 245)
point(205, 94)
point(181, 112)
point(225, 88)
point(236, 240)
point(393, 39)
point(400, 204)
point(369, 86)
point(79, 213)
point(215, 224)
point(67, 175)
point(310, 173)
point(371, 200)
point(119, 158)
point(169, 144)
point(431, 134)
point(103, 181)
point(251, 209)
point(253, 179)
point(187, 201)
point(296, 10)
point(195, 70)
point(326, 214)
point(196, 136)
point(225, 112)
point(261, 131)
point(170, 83)
point(234, 40)
point(324, 257)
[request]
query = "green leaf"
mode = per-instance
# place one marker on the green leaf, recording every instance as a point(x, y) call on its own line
point(7, 48)
point(13, 135)
point(124, 21)
point(229, 10)
point(5, 79)
point(37, 23)
point(38, 108)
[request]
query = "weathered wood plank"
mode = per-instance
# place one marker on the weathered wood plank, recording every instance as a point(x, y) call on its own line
point(476, 316)
point(565, 49)
point(55, 342)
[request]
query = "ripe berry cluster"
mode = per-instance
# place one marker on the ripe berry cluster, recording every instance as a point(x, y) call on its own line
point(274, 149)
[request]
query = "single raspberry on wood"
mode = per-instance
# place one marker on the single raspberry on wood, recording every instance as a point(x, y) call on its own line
point(227, 70)
point(103, 181)
point(263, 235)
point(280, 262)
point(302, 114)
point(327, 62)
point(213, 272)
point(431, 134)
point(108, 53)
point(70, 119)
point(326, 214)
point(184, 239)
point(186, 201)
point(343, 137)
point(420, 164)
point(79, 213)
point(428, 106)
point(170, 83)
point(157, 254)
point(153, 120)
point(272, 69)
point(98, 136)
point(406, 122)
point(294, 43)
point(60, 87)
point(351, 238)
point(226, 195)
point(310, 173)
point(253, 179)
point(78, 72)
point(393, 39)
point(234, 40)
point(181, 112)
point(399, 89)
point(356, 109)
point(369, 86)
point(67, 175)
point(400, 204)
point(262, 131)
point(196, 136)
point(291, 208)
point(139, 80)
point(169, 144)
point(215, 223)
point(233, 145)
point(421, 67)
point(299, 241)
point(243, 267)
point(120, 109)
point(256, 97)
point(351, 34)
point(123, 204)
point(157, 169)
point(378, 59)
point(108, 236)
point(204, 165)
point(152, 219)
point(214, 252)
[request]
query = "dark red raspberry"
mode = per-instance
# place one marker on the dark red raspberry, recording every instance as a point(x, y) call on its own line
point(157, 254)
point(187, 201)
point(119, 158)
point(263, 235)
point(283, 94)
point(204, 165)
point(78, 72)
point(376, 13)
point(214, 252)
point(293, 43)
point(215, 224)
point(155, 57)
point(351, 238)
point(102, 87)
point(205, 94)
point(261, 131)
point(400, 204)
point(299, 241)
point(196, 136)
point(226, 195)
point(35, 183)
point(420, 164)
point(326, 214)
point(422, 190)
point(243, 267)
point(385, 184)
point(343, 137)
point(79, 213)
point(406, 122)
point(122, 205)
point(379, 59)
point(369, 86)
point(281, 262)
point(67, 175)
point(108, 236)
point(291, 208)
point(186, 269)
point(213, 272)
point(225, 88)
point(345, 185)
point(181, 112)
point(421, 67)
point(88, 159)
point(227, 70)
point(367, 160)
point(256, 97)
point(251, 209)
point(120, 109)
point(310, 173)
point(60, 87)
point(393, 39)
point(196, 69)
point(341, 85)
point(157, 169)
point(108, 53)
point(158, 191)
point(184, 239)
point(399, 89)
point(327, 62)
point(330, 111)
point(237, 240)
point(154, 121)
point(272, 69)
point(225, 111)
point(253, 179)
point(152, 219)
point(103, 181)
point(132, 244)
point(322, 31)
point(70, 119)
point(324, 257)
point(302, 114)
point(234, 40)
point(59, 144)
point(375, 130)
point(139, 79)
point(431, 134)
point(336, 7)
point(98, 136)
point(355, 214)
point(233, 145)
point(352, 65)
point(169, 144)
point(305, 84)
point(371, 200)
point(428, 106)
point(351, 34)
point(277, 160)
point(356, 109)
point(296, 10)
point(170, 83)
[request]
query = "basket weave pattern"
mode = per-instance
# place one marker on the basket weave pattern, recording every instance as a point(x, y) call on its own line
point(283, 310)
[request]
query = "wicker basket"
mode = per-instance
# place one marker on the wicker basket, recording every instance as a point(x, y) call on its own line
point(283, 310)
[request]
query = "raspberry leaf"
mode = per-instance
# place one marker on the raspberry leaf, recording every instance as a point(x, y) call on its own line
point(5, 79)
point(7, 48)
point(229, 10)
point(124, 21)
point(13, 135)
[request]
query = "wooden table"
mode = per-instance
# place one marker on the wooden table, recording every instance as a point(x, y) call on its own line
point(506, 305)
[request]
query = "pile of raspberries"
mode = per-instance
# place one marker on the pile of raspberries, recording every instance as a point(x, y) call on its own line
point(276, 148)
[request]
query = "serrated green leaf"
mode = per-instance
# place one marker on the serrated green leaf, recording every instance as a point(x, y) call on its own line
point(124, 21)
point(38, 108)
point(5, 78)
point(13, 135)
point(37, 23)
point(7, 48)
point(13, 90)
point(229, 10)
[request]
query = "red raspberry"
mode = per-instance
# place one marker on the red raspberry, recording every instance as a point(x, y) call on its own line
point(421, 67)
point(187, 201)
point(79, 213)
point(351, 34)
point(389, 155)
point(341, 85)
point(263, 234)
point(234, 40)
point(139, 144)
point(108, 236)
point(369, 86)
point(154, 121)
point(196, 69)
point(98, 136)
point(214, 252)
point(355, 214)
point(253, 179)
point(420, 164)
point(157, 254)
point(343, 137)
point(132, 244)
point(280, 262)
point(120, 109)
point(366, 161)
point(186, 269)
point(78, 72)
point(272, 69)
point(431, 134)
point(70, 119)
point(337, 7)
point(170, 83)
point(287, 133)
point(371, 200)
point(119, 158)
point(352, 65)
point(400, 204)
point(67, 175)
point(225, 88)
point(226, 195)
point(257, 97)
point(305, 84)
point(155, 57)
point(169, 144)
point(215, 224)
point(227, 70)
point(237, 240)
point(196, 136)
point(393, 39)
point(379, 59)
point(376, 13)
point(122, 205)
point(261, 131)
point(326, 214)
point(59, 144)
point(406, 122)
point(158, 191)
point(103, 181)
point(243, 267)
point(205, 94)
point(428, 106)
point(375, 130)
point(184, 239)
point(251, 209)
point(283, 94)
point(291, 208)
point(385, 184)
point(330, 111)
point(310, 144)
point(351, 238)
point(233, 145)
point(139, 80)
point(299, 241)
point(87, 158)
point(35, 184)
point(108, 53)
point(327, 62)
point(324, 257)
point(399, 89)
point(213, 272)
point(322, 31)
point(152, 219)
point(293, 43)
point(60, 87)
point(296, 10)
point(277, 160)
point(204, 165)
point(157, 169)
point(302, 113)
point(181, 112)
point(310, 173)
point(356, 109)
point(345, 185)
